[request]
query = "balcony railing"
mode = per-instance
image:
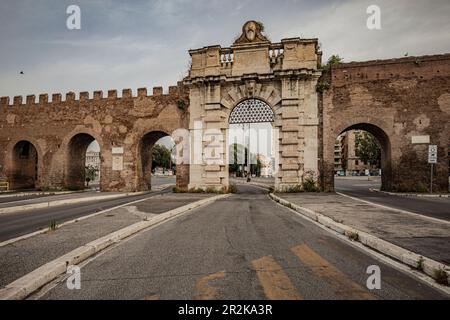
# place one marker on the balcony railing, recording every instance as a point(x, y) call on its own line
point(276, 52)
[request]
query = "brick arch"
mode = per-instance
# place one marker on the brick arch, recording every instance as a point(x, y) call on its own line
point(379, 128)
point(74, 146)
point(144, 149)
point(23, 173)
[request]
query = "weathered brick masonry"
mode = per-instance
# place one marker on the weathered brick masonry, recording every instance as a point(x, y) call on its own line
point(395, 100)
point(60, 131)
point(43, 144)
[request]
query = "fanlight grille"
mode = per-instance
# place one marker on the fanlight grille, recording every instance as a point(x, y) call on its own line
point(252, 111)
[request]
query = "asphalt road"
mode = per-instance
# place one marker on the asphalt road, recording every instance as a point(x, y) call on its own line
point(359, 188)
point(17, 199)
point(14, 225)
point(242, 247)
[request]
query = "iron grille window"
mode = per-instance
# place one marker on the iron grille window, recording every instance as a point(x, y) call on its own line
point(252, 111)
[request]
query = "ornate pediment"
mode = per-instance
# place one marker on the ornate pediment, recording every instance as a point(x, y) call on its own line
point(252, 32)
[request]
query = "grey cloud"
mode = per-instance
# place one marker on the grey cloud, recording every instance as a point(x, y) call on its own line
point(144, 43)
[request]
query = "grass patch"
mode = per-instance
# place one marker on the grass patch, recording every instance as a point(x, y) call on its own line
point(74, 188)
point(53, 225)
point(310, 185)
point(441, 276)
point(353, 236)
point(179, 190)
point(420, 264)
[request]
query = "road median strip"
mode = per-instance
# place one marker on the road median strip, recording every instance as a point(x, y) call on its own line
point(26, 285)
point(55, 203)
point(426, 265)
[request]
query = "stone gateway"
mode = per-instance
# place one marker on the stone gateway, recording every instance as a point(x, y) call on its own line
point(43, 143)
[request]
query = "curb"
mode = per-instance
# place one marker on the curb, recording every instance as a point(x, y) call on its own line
point(409, 258)
point(29, 235)
point(412, 195)
point(26, 285)
point(37, 193)
point(48, 204)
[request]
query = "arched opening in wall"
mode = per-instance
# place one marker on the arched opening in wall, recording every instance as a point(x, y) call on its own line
point(83, 163)
point(24, 174)
point(252, 147)
point(157, 156)
point(362, 159)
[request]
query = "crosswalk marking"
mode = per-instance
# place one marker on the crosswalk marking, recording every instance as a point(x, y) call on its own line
point(275, 282)
point(204, 290)
point(344, 286)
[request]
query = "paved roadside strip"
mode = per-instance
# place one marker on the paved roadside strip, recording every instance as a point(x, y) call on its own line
point(412, 240)
point(83, 240)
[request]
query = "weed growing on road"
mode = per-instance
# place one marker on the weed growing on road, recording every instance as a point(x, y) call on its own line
point(441, 276)
point(309, 185)
point(232, 188)
point(293, 189)
point(420, 264)
point(354, 236)
point(53, 225)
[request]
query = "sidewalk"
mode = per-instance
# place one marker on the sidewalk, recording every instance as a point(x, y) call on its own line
point(424, 236)
point(19, 258)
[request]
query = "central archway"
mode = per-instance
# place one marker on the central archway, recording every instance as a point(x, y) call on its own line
point(251, 145)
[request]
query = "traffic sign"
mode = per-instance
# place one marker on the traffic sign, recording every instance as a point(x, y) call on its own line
point(432, 154)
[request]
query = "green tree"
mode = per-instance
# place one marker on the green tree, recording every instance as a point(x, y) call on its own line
point(367, 148)
point(91, 173)
point(160, 157)
point(334, 59)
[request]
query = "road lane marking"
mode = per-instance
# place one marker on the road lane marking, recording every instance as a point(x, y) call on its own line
point(45, 230)
point(344, 286)
point(275, 282)
point(204, 290)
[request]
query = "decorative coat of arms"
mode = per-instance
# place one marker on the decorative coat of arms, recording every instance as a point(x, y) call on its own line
point(252, 31)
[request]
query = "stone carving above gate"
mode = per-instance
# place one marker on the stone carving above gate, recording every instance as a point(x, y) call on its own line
point(251, 90)
point(252, 31)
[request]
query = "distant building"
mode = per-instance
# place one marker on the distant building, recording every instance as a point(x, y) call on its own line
point(346, 162)
point(266, 166)
point(338, 148)
point(93, 159)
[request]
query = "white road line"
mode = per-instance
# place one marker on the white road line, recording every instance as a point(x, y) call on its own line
point(378, 256)
point(29, 235)
point(33, 281)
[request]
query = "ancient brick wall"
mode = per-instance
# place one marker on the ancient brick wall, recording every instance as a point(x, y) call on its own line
point(61, 131)
point(397, 100)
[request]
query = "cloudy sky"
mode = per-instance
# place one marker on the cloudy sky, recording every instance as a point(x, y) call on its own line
point(144, 43)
